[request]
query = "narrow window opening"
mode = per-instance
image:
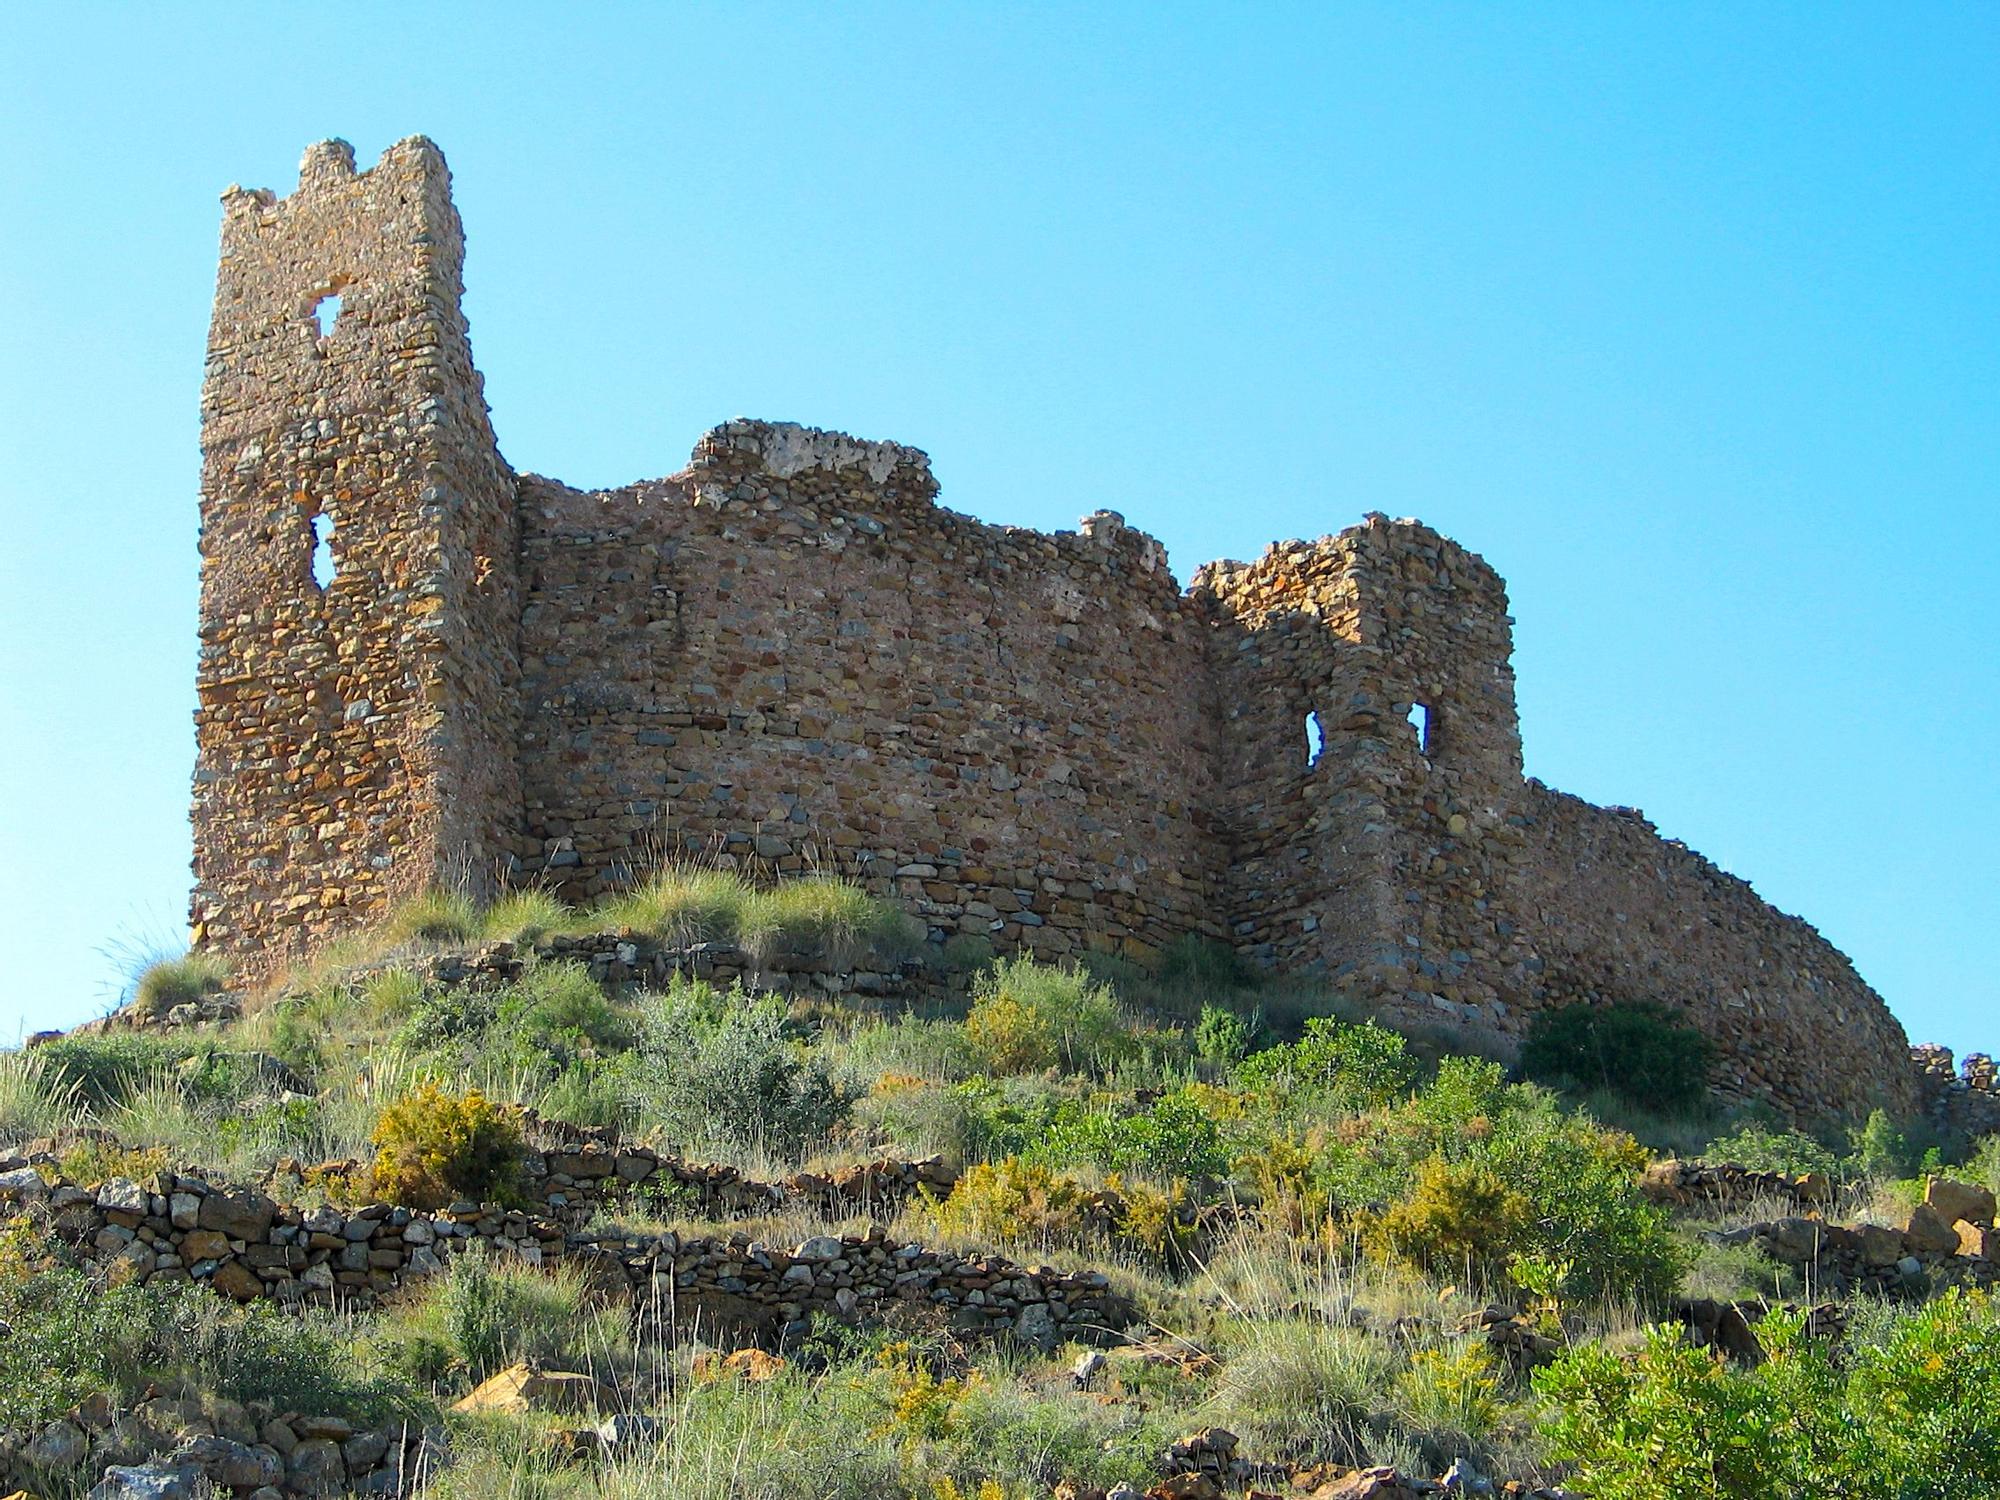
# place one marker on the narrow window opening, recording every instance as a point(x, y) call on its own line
point(1315, 740)
point(322, 558)
point(326, 313)
point(1422, 723)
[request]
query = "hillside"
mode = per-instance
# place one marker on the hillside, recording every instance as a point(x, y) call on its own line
point(726, 1189)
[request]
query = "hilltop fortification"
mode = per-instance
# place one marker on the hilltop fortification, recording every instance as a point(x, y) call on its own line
point(418, 665)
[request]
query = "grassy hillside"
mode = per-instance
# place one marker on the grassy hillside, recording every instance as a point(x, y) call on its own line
point(1348, 1248)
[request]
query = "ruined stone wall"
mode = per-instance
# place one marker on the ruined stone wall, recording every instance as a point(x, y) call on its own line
point(792, 655)
point(1434, 884)
point(789, 656)
point(357, 738)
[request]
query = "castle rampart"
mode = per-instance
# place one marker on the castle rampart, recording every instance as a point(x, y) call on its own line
point(790, 656)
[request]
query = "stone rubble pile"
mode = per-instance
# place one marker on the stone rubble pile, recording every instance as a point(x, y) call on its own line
point(1689, 1184)
point(1962, 1101)
point(171, 1449)
point(1949, 1238)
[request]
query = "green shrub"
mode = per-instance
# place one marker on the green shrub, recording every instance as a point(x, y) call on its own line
point(1763, 1148)
point(681, 905)
point(1175, 1136)
point(36, 1098)
point(965, 951)
point(434, 1147)
point(1639, 1050)
point(1013, 1200)
point(485, 1313)
point(436, 916)
point(103, 1069)
point(167, 982)
point(1223, 1036)
point(1884, 1151)
point(1334, 1066)
point(1912, 1410)
point(1456, 1216)
point(718, 1072)
point(1028, 1016)
point(69, 1337)
point(1203, 964)
point(1585, 1210)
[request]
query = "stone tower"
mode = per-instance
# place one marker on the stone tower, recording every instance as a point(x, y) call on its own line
point(359, 589)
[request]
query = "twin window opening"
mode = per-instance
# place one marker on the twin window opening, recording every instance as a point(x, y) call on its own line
point(1423, 724)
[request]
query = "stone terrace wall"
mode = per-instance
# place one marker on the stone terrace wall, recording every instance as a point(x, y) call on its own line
point(247, 1246)
point(790, 653)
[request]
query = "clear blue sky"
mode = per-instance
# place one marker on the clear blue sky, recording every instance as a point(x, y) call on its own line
point(1687, 317)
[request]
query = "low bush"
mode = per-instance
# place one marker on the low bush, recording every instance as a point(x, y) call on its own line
point(434, 1147)
point(1639, 1050)
point(1013, 1201)
point(820, 917)
point(1223, 1036)
point(69, 1337)
point(1456, 1217)
point(485, 1313)
point(36, 1098)
point(1334, 1067)
point(526, 916)
point(1912, 1409)
point(1175, 1136)
point(102, 1069)
point(1027, 1017)
point(681, 905)
point(718, 1073)
point(1764, 1148)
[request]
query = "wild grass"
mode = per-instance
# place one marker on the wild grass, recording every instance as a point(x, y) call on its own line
point(527, 916)
point(167, 982)
point(438, 915)
point(681, 904)
point(36, 1098)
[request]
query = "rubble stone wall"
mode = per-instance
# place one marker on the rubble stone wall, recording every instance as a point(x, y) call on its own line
point(246, 1245)
point(352, 738)
point(791, 654)
point(788, 656)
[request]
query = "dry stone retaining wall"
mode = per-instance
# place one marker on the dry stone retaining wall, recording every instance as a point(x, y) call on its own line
point(246, 1245)
point(787, 656)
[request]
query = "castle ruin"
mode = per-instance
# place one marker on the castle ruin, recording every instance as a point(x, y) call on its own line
point(417, 665)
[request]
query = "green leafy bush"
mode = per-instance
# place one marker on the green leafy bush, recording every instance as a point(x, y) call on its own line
point(1175, 1136)
point(526, 916)
point(718, 1072)
point(434, 1147)
point(1639, 1050)
point(436, 916)
point(1763, 1148)
point(1223, 1036)
point(69, 1337)
point(820, 917)
point(1334, 1066)
point(1912, 1411)
point(1028, 1016)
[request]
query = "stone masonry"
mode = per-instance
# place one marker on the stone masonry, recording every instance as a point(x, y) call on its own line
point(788, 656)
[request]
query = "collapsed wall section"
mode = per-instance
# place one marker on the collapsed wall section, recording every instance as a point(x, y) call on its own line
point(358, 608)
point(791, 656)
